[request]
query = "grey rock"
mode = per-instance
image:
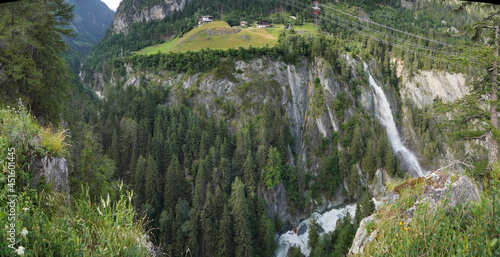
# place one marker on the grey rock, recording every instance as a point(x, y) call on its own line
point(276, 200)
point(55, 171)
point(441, 190)
point(362, 237)
point(377, 188)
point(302, 229)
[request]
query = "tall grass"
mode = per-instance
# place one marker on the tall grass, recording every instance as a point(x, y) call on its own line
point(53, 141)
point(46, 224)
point(21, 130)
point(467, 230)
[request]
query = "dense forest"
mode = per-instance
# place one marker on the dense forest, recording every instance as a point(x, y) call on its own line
point(172, 177)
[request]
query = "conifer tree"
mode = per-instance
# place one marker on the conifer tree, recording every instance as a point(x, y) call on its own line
point(209, 226)
point(175, 184)
point(390, 161)
point(273, 169)
point(152, 184)
point(266, 242)
point(357, 146)
point(239, 211)
point(369, 162)
point(139, 180)
point(225, 234)
point(313, 233)
point(475, 116)
point(31, 35)
point(249, 173)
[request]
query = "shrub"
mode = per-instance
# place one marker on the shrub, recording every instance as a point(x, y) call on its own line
point(54, 141)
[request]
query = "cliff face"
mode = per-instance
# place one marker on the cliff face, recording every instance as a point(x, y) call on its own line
point(424, 87)
point(132, 11)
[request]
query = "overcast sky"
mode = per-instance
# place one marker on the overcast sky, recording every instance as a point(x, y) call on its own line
point(112, 4)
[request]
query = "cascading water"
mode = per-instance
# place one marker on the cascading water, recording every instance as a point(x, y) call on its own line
point(384, 114)
point(327, 221)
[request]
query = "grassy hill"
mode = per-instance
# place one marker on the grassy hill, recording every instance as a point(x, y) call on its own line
point(219, 35)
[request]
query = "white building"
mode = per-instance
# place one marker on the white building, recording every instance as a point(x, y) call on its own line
point(205, 19)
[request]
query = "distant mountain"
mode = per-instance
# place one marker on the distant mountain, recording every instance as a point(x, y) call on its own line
point(92, 19)
point(130, 12)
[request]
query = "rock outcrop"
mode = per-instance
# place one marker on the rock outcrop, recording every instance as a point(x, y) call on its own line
point(362, 236)
point(444, 190)
point(377, 188)
point(425, 86)
point(55, 171)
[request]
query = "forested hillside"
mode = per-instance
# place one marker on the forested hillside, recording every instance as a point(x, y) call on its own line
point(248, 150)
point(92, 19)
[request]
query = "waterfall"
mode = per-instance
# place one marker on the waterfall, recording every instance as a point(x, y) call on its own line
point(384, 114)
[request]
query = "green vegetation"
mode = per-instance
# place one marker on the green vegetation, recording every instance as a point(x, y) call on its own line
point(93, 19)
point(187, 170)
point(200, 178)
point(464, 230)
point(219, 35)
point(473, 117)
point(46, 223)
point(215, 35)
point(31, 35)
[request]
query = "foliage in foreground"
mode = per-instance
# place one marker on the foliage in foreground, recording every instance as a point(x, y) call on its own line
point(466, 230)
point(46, 224)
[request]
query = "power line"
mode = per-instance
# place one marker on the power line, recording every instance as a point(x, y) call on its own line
point(343, 23)
point(384, 26)
point(403, 41)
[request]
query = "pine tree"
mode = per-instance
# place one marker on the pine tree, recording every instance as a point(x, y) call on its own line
point(33, 46)
point(139, 181)
point(369, 162)
point(96, 169)
point(209, 226)
point(166, 225)
point(175, 184)
point(475, 116)
point(272, 172)
point(249, 173)
point(266, 242)
point(239, 211)
point(390, 161)
point(313, 233)
point(357, 146)
point(152, 184)
point(225, 234)
point(382, 146)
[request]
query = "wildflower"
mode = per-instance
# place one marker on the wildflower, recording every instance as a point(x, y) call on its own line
point(406, 228)
point(26, 209)
point(391, 244)
point(20, 250)
point(400, 223)
point(24, 232)
point(396, 235)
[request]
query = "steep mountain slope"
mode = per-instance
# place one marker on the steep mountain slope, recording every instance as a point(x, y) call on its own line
point(92, 19)
point(133, 11)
